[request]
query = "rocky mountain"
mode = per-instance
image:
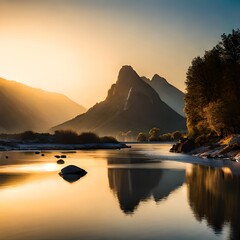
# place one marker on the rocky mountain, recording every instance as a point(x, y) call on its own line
point(25, 108)
point(131, 104)
point(172, 96)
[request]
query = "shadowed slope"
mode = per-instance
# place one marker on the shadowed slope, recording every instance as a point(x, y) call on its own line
point(25, 108)
point(172, 96)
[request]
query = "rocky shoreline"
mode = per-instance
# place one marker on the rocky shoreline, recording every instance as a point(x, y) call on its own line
point(227, 148)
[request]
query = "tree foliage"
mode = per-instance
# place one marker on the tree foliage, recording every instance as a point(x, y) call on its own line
point(212, 102)
point(154, 134)
point(66, 137)
point(142, 137)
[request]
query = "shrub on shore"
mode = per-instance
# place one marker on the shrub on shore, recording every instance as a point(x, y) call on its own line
point(66, 136)
point(154, 135)
point(88, 137)
point(108, 139)
point(60, 137)
point(142, 137)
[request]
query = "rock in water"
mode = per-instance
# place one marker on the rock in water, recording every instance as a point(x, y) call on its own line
point(71, 169)
point(60, 161)
point(72, 173)
point(71, 177)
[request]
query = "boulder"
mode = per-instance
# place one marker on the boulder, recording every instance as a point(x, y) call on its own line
point(71, 169)
point(237, 158)
point(71, 177)
point(187, 146)
point(60, 161)
point(173, 148)
point(230, 148)
point(72, 173)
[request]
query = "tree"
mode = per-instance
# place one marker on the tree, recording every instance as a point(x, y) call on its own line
point(213, 85)
point(88, 137)
point(154, 134)
point(142, 137)
point(28, 135)
point(216, 114)
point(66, 137)
point(176, 135)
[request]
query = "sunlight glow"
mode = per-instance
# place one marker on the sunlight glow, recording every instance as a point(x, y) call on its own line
point(47, 167)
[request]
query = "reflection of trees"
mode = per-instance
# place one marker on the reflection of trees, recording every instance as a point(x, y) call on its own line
point(134, 185)
point(16, 179)
point(12, 179)
point(214, 195)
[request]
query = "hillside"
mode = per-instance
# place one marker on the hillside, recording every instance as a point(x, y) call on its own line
point(25, 108)
point(172, 96)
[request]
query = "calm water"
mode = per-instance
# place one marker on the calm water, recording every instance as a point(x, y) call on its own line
point(139, 193)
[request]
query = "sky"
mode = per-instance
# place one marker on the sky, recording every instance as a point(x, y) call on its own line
point(76, 47)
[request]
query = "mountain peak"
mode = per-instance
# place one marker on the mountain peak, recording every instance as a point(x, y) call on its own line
point(156, 77)
point(126, 68)
point(145, 79)
point(131, 104)
point(168, 93)
point(127, 73)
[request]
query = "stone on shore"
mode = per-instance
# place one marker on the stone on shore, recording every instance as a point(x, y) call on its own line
point(184, 146)
point(227, 148)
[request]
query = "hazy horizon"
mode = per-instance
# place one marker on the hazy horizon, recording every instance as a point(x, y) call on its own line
point(77, 47)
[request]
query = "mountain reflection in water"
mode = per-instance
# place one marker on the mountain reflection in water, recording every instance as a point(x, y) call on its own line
point(135, 185)
point(142, 192)
point(214, 195)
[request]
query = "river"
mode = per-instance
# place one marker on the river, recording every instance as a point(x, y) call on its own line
point(143, 192)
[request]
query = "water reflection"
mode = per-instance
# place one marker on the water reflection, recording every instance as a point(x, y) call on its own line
point(12, 179)
point(214, 195)
point(71, 178)
point(135, 185)
point(36, 203)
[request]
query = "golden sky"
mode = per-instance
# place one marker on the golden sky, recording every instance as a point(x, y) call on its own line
point(77, 47)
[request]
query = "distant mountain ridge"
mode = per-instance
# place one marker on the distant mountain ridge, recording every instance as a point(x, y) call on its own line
point(25, 108)
point(172, 96)
point(131, 104)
